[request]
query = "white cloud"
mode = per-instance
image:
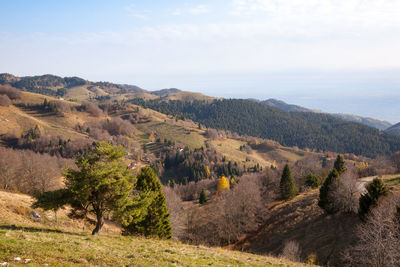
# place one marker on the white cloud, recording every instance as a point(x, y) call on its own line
point(323, 15)
point(199, 9)
point(176, 12)
point(140, 14)
point(192, 10)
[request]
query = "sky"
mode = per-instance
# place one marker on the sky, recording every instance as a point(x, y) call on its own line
point(332, 55)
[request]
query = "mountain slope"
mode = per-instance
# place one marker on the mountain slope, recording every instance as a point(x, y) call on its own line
point(302, 129)
point(379, 124)
point(303, 221)
point(165, 92)
point(395, 129)
point(284, 106)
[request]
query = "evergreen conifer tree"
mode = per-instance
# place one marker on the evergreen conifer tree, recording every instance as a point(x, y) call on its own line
point(287, 184)
point(325, 201)
point(156, 222)
point(203, 197)
point(375, 189)
point(312, 180)
point(102, 184)
point(340, 164)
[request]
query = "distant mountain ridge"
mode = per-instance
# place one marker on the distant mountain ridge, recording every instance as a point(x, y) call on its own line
point(395, 129)
point(164, 92)
point(378, 124)
point(285, 106)
point(81, 89)
point(49, 83)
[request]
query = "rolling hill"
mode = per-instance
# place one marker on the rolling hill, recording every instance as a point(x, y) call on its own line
point(303, 129)
point(78, 89)
point(19, 118)
point(296, 128)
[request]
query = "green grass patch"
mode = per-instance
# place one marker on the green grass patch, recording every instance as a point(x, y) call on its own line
point(45, 246)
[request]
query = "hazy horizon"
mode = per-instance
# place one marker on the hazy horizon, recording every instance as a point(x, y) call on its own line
point(336, 55)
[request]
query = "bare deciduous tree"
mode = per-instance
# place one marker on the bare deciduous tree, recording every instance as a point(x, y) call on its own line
point(291, 251)
point(211, 133)
point(4, 101)
point(92, 109)
point(10, 164)
point(29, 172)
point(345, 194)
point(11, 92)
point(378, 238)
point(226, 218)
point(241, 207)
point(176, 211)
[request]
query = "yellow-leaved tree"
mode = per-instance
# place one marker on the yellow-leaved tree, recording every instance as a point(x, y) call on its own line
point(273, 165)
point(208, 171)
point(223, 184)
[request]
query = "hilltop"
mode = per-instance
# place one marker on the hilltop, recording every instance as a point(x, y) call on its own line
point(78, 89)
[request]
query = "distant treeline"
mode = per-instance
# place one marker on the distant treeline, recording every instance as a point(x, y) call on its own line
point(302, 129)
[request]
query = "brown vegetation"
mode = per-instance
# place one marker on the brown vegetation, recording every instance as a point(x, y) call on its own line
point(378, 239)
point(29, 172)
point(5, 101)
point(92, 109)
point(10, 91)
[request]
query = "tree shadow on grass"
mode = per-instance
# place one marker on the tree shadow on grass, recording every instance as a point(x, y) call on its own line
point(38, 229)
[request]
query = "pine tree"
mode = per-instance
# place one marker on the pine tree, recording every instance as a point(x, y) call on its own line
point(156, 222)
point(102, 184)
point(203, 197)
point(45, 103)
point(287, 184)
point(375, 189)
point(340, 164)
point(325, 201)
point(312, 180)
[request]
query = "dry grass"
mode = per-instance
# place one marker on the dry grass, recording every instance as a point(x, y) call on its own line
point(16, 209)
point(301, 220)
point(189, 96)
point(79, 93)
point(66, 243)
point(178, 134)
point(392, 181)
point(58, 248)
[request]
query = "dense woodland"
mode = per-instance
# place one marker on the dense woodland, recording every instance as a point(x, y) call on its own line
point(302, 129)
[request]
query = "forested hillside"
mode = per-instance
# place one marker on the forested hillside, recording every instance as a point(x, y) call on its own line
point(395, 129)
point(302, 129)
point(378, 124)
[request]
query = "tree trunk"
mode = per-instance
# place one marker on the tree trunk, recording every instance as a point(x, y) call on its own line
point(99, 224)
